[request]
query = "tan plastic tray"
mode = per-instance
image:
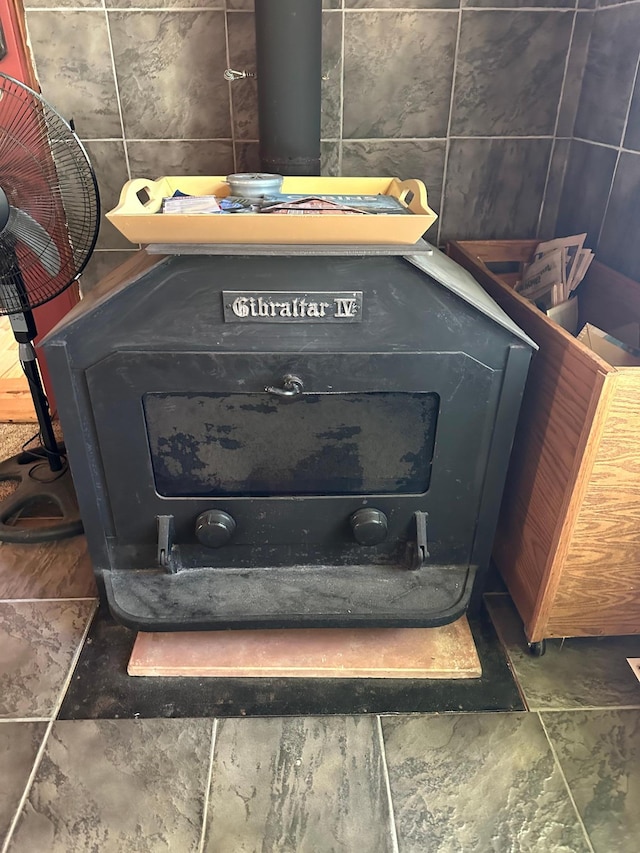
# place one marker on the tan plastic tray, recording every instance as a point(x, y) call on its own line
point(142, 223)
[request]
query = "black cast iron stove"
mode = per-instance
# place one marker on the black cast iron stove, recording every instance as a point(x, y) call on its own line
point(289, 441)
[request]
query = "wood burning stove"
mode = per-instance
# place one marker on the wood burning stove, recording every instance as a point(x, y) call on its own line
point(289, 441)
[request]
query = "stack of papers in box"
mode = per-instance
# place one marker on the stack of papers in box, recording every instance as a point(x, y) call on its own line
point(557, 269)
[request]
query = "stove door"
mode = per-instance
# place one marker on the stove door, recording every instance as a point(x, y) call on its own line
point(275, 476)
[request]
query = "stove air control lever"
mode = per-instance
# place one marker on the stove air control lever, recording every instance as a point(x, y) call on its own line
point(291, 386)
point(418, 551)
point(214, 528)
point(369, 526)
point(168, 552)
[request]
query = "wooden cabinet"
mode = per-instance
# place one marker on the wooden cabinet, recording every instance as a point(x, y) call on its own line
point(568, 538)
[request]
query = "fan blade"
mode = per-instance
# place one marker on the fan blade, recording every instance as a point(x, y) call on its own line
point(24, 227)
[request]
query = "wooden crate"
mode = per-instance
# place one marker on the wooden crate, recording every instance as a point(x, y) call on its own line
point(568, 537)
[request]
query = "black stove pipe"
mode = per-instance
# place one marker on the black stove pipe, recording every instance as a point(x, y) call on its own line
point(289, 71)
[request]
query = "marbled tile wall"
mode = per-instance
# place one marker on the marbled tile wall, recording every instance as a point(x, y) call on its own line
point(475, 97)
point(601, 193)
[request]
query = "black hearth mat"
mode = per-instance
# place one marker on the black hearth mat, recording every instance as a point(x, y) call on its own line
point(101, 689)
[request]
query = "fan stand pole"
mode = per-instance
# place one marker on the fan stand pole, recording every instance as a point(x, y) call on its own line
point(43, 473)
point(24, 330)
point(30, 367)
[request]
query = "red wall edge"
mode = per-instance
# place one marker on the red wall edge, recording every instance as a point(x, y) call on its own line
point(17, 63)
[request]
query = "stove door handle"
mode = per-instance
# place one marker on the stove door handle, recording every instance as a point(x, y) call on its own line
point(292, 386)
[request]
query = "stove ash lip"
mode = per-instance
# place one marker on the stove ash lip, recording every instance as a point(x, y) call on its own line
point(143, 600)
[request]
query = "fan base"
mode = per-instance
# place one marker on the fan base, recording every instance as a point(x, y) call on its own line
point(38, 484)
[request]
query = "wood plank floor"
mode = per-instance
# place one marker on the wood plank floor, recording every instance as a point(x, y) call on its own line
point(15, 400)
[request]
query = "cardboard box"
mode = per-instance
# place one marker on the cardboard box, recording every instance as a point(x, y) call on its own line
point(565, 314)
point(609, 348)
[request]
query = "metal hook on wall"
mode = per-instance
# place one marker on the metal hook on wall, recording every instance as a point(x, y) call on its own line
point(231, 75)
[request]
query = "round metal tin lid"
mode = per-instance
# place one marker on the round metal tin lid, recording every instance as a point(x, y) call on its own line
point(254, 184)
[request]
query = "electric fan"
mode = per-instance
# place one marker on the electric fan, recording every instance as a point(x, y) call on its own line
point(49, 217)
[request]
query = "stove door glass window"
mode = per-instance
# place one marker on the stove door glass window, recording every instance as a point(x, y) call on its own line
point(250, 445)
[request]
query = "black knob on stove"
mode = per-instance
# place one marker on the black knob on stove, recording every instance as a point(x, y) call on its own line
point(369, 526)
point(214, 528)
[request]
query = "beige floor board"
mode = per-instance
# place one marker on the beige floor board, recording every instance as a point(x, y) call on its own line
point(16, 405)
point(8, 360)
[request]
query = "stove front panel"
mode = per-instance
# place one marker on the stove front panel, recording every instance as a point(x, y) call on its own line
point(192, 432)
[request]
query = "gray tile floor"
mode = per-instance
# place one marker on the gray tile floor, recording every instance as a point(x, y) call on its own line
point(563, 776)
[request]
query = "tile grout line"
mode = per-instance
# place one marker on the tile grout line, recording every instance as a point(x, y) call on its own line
point(186, 139)
point(76, 658)
point(159, 139)
point(620, 147)
point(27, 787)
point(546, 187)
point(566, 783)
point(39, 600)
point(441, 138)
point(557, 121)
point(341, 139)
point(230, 90)
point(593, 142)
point(370, 139)
point(385, 772)
point(362, 11)
point(615, 5)
point(165, 9)
point(97, 251)
point(623, 149)
point(349, 10)
point(358, 10)
point(52, 720)
point(25, 720)
point(585, 709)
point(207, 793)
point(447, 147)
point(123, 9)
point(117, 90)
point(32, 9)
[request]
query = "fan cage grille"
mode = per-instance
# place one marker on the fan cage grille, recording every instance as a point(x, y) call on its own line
point(45, 173)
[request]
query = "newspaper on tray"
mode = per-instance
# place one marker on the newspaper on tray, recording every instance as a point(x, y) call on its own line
point(557, 268)
point(191, 204)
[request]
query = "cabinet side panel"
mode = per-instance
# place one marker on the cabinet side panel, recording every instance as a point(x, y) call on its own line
point(599, 592)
